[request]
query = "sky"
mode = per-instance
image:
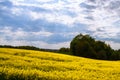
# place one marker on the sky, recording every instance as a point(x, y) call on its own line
point(53, 24)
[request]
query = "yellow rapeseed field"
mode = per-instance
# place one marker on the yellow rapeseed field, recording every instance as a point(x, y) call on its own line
point(18, 64)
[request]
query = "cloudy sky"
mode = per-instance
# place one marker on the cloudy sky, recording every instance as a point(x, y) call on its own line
point(53, 23)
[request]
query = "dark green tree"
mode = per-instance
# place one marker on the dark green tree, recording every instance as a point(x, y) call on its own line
point(81, 45)
point(86, 46)
point(64, 50)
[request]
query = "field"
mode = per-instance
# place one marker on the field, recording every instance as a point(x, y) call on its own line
point(18, 64)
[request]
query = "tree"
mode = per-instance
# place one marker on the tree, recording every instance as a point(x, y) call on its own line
point(86, 46)
point(64, 50)
point(81, 45)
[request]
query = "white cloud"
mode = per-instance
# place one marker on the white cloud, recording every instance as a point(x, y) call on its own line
point(52, 17)
point(6, 29)
point(42, 33)
point(13, 42)
point(102, 16)
point(107, 32)
point(35, 15)
point(51, 46)
point(17, 11)
point(114, 45)
point(21, 34)
point(22, 3)
point(8, 33)
point(103, 23)
point(44, 0)
point(56, 9)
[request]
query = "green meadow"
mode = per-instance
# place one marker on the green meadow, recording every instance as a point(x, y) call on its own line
point(18, 64)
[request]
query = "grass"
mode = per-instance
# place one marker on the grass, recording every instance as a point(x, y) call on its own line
point(20, 64)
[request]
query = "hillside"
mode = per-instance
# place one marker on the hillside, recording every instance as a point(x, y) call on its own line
point(18, 64)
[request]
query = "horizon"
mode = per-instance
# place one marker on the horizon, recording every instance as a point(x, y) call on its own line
point(52, 24)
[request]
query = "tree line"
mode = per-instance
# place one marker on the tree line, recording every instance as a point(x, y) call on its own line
point(29, 48)
point(81, 45)
point(86, 46)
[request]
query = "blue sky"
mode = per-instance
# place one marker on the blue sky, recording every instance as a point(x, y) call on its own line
point(54, 23)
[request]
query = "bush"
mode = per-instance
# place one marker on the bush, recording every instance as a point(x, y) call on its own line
point(64, 50)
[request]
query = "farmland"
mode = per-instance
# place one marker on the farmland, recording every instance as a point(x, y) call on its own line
point(18, 64)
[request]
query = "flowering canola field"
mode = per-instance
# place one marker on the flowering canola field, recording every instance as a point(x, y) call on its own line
point(18, 64)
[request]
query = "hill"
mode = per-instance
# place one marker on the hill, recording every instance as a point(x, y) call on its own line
point(18, 64)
